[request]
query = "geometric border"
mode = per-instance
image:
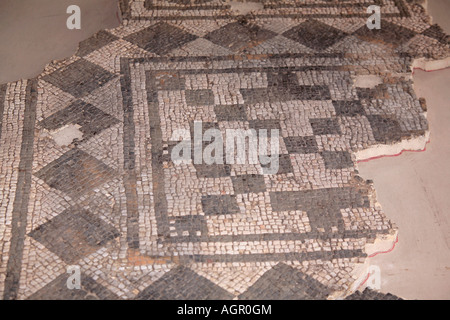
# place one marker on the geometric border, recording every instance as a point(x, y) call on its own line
point(160, 202)
point(21, 199)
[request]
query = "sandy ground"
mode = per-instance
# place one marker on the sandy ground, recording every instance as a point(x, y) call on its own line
point(413, 189)
point(439, 10)
point(34, 32)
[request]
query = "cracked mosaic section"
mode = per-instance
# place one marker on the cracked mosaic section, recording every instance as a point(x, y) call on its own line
point(141, 226)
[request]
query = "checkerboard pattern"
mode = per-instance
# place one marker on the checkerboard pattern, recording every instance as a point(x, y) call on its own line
point(142, 226)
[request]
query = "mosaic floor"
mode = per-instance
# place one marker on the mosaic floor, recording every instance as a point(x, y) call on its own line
point(143, 227)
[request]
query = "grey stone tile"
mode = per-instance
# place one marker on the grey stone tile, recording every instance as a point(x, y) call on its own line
point(248, 183)
point(337, 159)
point(307, 144)
point(160, 38)
point(79, 78)
point(277, 94)
point(315, 34)
point(322, 205)
point(325, 126)
point(190, 224)
point(212, 170)
point(436, 32)
point(91, 119)
point(283, 282)
point(74, 234)
point(341, 198)
point(170, 82)
point(75, 173)
point(219, 204)
point(369, 94)
point(370, 294)
point(385, 129)
point(349, 108)
point(181, 283)
point(203, 97)
point(230, 113)
point(389, 33)
point(57, 290)
point(284, 164)
point(268, 124)
point(95, 42)
point(238, 36)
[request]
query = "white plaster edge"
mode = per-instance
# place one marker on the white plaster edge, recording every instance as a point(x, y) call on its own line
point(65, 135)
point(430, 65)
point(386, 242)
point(379, 150)
point(382, 243)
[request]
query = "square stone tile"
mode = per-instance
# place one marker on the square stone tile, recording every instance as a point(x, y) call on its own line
point(337, 159)
point(348, 108)
point(182, 283)
point(95, 42)
point(79, 78)
point(283, 282)
point(219, 204)
point(284, 164)
point(436, 32)
point(189, 224)
point(248, 183)
point(389, 33)
point(322, 205)
point(237, 36)
point(57, 290)
point(283, 80)
point(368, 94)
point(321, 92)
point(201, 97)
point(91, 119)
point(170, 82)
point(325, 126)
point(212, 170)
point(268, 124)
point(74, 234)
point(284, 86)
point(288, 93)
point(307, 144)
point(230, 113)
point(75, 173)
point(385, 129)
point(160, 38)
point(370, 294)
point(315, 34)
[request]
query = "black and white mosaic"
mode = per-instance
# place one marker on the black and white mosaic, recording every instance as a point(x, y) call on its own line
point(142, 226)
